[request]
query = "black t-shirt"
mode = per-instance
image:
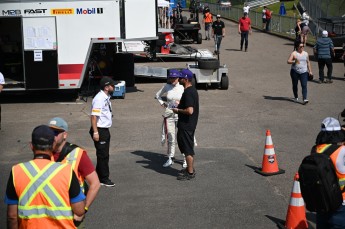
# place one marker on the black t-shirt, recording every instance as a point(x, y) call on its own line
point(190, 98)
point(218, 27)
point(74, 189)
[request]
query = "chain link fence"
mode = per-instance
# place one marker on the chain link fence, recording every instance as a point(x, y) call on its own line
point(282, 25)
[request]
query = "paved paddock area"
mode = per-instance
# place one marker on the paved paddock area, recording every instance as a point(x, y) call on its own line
point(226, 193)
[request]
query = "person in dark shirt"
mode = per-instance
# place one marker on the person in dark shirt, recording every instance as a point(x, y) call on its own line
point(188, 113)
point(218, 32)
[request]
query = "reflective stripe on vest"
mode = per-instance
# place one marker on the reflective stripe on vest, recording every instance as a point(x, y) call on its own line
point(338, 159)
point(72, 159)
point(208, 18)
point(40, 184)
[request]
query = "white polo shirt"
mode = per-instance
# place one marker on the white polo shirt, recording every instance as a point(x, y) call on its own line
point(101, 107)
point(2, 79)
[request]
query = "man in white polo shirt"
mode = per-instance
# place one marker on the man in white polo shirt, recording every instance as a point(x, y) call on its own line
point(101, 121)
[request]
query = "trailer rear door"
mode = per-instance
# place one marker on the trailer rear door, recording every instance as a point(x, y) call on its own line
point(40, 53)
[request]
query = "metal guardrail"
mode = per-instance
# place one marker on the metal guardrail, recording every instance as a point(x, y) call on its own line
point(280, 25)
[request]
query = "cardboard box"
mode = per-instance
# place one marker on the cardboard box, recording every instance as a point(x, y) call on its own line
point(120, 90)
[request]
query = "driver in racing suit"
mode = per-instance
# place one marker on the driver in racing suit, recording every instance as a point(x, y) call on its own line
point(173, 92)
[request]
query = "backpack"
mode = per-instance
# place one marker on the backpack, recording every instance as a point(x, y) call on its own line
point(319, 183)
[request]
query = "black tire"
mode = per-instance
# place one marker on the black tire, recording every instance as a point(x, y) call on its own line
point(160, 42)
point(224, 83)
point(208, 64)
point(161, 36)
point(177, 39)
point(184, 20)
point(199, 41)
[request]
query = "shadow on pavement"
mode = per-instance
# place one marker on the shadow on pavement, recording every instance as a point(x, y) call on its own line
point(154, 161)
point(278, 98)
point(280, 223)
point(253, 167)
point(237, 50)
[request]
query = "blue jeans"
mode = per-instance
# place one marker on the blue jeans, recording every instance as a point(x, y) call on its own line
point(208, 30)
point(268, 22)
point(217, 41)
point(304, 80)
point(335, 220)
point(244, 37)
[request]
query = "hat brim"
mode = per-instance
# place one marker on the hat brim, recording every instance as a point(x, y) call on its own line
point(56, 128)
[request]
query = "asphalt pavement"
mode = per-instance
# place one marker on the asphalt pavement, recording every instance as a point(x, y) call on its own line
point(226, 192)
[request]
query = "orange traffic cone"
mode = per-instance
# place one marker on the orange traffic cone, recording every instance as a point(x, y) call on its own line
point(295, 217)
point(269, 161)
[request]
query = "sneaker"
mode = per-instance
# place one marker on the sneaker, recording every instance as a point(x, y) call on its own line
point(184, 165)
point(305, 101)
point(295, 100)
point(241, 48)
point(168, 163)
point(329, 81)
point(321, 81)
point(185, 176)
point(108, 183)
point(246, 49)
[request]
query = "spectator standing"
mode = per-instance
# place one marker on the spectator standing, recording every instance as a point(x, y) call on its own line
point(188, 113)
point(244, 28)
point(331, 137)
point(2, 82)
point(218, 32)
point(246, 8)
point(299, 71)
point(208, 19)
point(324, 49)
point(298, 32)
point(41, 193)
point(264, 18)
point(77, 157)
point(304, 34)
point(305, 18)
point(173, 92)
point(101, 121)
point(268, 18)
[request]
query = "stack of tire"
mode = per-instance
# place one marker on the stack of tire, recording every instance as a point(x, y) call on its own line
point(160, 42)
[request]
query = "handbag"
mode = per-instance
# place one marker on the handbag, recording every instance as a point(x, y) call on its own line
point(310, 77)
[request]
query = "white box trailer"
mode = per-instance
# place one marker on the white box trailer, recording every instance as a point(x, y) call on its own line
point(48, 45)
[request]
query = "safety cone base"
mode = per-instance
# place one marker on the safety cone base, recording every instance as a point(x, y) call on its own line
point(280, 171)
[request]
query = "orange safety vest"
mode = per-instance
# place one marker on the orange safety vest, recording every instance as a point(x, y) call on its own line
point(338, 159)
point(42, 187)
point(208, 18)
point(73, 158)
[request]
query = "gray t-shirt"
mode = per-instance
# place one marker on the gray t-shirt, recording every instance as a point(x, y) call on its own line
point(301, 64)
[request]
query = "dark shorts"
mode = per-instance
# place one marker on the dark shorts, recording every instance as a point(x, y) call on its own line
point(264, 20)
point(185, 141)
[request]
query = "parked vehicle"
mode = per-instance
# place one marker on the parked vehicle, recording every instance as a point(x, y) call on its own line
point(224, 3)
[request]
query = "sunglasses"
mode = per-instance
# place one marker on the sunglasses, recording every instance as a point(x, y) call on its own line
point(301, 46)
